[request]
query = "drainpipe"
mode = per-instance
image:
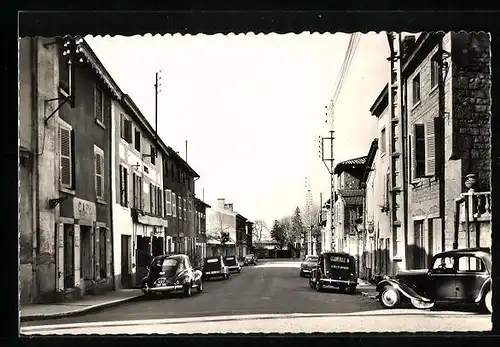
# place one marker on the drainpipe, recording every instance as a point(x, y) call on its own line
point(35, 170)
point(441, 164)
point(112, 196)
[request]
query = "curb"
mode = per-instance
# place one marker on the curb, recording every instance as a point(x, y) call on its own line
point(80, 311)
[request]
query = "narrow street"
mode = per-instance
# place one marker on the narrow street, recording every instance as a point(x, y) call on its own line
point(270, 290)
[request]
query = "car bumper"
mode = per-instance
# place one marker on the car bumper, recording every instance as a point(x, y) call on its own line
point(214, 273)
point(233, 268)
point(306, 271)
point(163, 289)
point(334, 282)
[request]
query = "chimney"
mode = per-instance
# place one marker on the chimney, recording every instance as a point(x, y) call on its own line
point(407, 43)
point(229, 207)
point(221, 203)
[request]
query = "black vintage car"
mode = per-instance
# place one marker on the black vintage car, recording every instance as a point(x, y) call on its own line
point(232, 264)
point(172, 273)
point(250, 259)
point(308, 264)
point(335, 269)
point(215, 267)
point(462, 275)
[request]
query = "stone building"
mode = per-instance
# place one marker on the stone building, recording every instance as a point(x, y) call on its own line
point(200, 229)
point(436, 134)
point(65, 132)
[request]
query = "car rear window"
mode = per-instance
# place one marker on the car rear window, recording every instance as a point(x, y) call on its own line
point(229, 258)
point(337, 259)
point(210, 261)
point(312, 259)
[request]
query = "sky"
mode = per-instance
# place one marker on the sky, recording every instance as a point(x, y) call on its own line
point(252, 108)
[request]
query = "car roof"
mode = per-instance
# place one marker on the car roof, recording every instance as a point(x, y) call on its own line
point(475, 250)
point(344, 254)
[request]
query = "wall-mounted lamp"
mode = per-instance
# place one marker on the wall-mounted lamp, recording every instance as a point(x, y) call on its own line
point(54, 202)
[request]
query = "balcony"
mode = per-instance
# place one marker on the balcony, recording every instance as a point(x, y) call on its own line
point(477, 205)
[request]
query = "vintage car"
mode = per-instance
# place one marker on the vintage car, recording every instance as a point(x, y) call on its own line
point(172, 273)
point(335, 269)
point(308, 263)
point(250, 259)
point(461, 275)
point(215, 267)
point(232, 264)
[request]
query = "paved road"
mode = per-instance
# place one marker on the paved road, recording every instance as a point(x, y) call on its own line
point(269, 297)
point(270, 287)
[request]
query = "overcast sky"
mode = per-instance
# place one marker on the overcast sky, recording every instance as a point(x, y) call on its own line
point(252, 107)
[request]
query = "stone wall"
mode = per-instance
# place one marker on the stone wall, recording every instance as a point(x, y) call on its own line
point(472, 104)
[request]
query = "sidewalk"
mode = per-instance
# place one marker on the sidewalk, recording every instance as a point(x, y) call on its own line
point(88, 304)
point(367, 289)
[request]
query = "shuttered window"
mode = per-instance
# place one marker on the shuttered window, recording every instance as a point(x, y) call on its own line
point(99, 172)
point(179, 206)
point(159, 209)
point(125, 128)
point(418, 151)
point(174, 206)
point(123, 186)
point(416, 89)
point(184, 205)
point(168, 202)
point(66, 156)
point(430, 149)
point(151, 198)
point(99, 105)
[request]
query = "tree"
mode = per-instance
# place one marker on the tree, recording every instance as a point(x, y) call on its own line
point(219, 228)
point(259, 228)
point(278, 234)
point(297, 225)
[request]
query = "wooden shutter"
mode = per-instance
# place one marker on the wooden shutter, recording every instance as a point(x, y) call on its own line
point(99, 179)
point(413, 157)
point(122, 183)
point(174, 205)
point(108, 252)
point(439, 136)
point(123, 131)
point(60, 257)
point(125, 188)
point(99, 109)
point(169, 202)
point(430, 149)
point(184, 204)
point(65, 154)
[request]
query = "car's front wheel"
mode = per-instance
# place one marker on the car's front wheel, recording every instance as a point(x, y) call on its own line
point(301, 273)
point(319, 286)
point(487, 301)
point(389, 298)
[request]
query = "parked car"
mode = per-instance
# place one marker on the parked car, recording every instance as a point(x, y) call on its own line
point(308, 263)
point(335, 269)
point(250, 259)
point(172, 273)
point(215, 267)
point(462, 275)
point(232, 264)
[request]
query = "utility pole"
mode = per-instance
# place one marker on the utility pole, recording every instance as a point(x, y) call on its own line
point(330, 160)
point(157, 91)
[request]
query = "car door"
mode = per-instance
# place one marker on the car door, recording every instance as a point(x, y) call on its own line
point(442, 276)
point(471, 274)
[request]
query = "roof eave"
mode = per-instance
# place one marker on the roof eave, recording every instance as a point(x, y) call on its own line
point(381, 102)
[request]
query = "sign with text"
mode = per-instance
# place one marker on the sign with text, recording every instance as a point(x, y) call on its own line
point(84, 210)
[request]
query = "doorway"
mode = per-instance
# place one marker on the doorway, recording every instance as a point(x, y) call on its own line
point(126, 276)
point(86, 252)
point(69, 256)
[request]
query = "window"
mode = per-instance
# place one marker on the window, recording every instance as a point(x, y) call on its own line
point(152, 151)
point(66, 150)
point(125, 128)
point(387, 192)
point(123, 186)
point(102, 253)
point(137, 140)
point(179, 206)
point(418, 151)
point(383, 141)
point(443, 264)
point(469, 263)
point(174, 206)
point(168, 202)
point(151, 198)
point(434, 72)
point(416, 89)
point(137, 190)
point(99, 105)
point(184, 205)
point(99, 172)
point(159, 208)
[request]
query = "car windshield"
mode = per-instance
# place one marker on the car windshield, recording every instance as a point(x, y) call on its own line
point(312, 259)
